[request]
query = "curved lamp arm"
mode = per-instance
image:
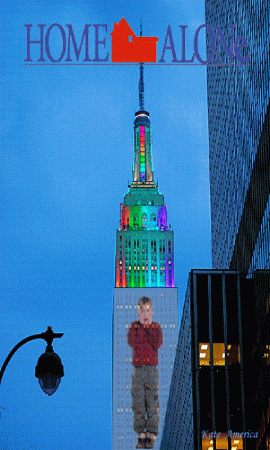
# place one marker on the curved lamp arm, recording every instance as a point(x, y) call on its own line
point(48, 336)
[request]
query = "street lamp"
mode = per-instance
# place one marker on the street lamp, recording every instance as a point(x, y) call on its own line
point(49, 368)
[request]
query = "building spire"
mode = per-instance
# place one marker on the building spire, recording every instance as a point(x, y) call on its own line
point(141, 89)
point(143, 175)
point(141, 83)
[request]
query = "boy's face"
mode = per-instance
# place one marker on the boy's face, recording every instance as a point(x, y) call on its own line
point(145, 313)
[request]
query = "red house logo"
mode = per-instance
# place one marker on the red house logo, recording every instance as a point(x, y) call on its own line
point(127, 47)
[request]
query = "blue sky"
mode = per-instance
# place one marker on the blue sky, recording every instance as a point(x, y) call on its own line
point(66, 159)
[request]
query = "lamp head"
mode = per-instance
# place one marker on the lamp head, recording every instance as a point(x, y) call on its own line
point(49, 371)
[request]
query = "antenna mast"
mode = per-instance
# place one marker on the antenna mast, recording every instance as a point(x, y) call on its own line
point(141, 83)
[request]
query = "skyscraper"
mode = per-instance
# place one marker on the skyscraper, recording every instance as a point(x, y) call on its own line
point(238, 111)
point(239, 124)
point(144, 267)
point(219, 396)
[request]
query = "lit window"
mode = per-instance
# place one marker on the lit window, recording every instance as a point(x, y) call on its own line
point(218, 354)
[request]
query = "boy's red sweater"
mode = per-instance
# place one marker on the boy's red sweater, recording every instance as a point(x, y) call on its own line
point(145, 341)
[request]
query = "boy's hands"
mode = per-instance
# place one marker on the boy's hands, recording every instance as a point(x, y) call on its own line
point(145, 320)
point(145, 313)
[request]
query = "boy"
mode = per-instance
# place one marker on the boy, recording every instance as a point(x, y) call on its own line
point(145, 338)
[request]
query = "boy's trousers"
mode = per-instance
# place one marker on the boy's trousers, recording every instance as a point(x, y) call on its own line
point(145, 403)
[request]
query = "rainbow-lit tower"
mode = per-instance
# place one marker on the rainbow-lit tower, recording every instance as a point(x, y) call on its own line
point(144, 252)
point(144, 267)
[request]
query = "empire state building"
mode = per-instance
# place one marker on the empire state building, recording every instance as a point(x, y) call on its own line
point(144, 266)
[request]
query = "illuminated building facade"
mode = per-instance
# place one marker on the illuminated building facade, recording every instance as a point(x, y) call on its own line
point(144, 243)
point(144, 267)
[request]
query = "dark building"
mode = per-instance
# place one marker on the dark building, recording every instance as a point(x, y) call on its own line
point(259, 398)
point(220, 384)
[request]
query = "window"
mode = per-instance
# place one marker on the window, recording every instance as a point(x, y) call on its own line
point(144, 221)
point(233, 354)
point(136, 221)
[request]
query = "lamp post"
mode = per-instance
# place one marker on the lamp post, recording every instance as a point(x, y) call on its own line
point(49, 368)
